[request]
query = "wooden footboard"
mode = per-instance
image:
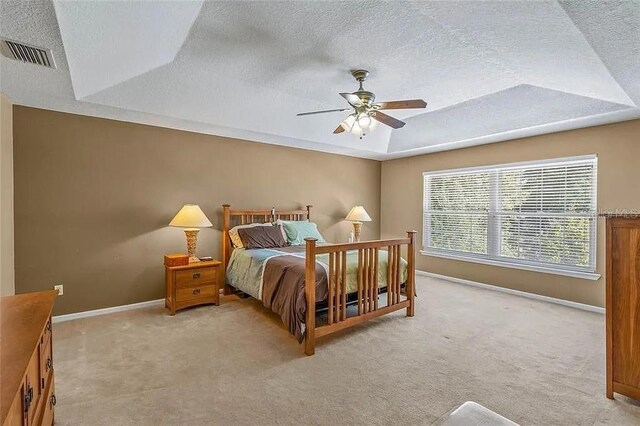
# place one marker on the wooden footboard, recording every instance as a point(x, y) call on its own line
point(367, 300)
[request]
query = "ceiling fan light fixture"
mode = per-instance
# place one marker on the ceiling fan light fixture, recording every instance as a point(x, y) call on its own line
point(373, 123)
point(357, 129)
point(364, 120)
point(347, 123)
point(359, 124)
point(364, 125)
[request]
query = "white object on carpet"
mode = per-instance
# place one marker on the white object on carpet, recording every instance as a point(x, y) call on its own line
point(473, 414)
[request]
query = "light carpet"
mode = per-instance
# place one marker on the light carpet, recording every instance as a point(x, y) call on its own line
point(533, 362)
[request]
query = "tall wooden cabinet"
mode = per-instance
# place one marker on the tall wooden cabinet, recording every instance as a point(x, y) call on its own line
point(623, 306)
point(27, 391)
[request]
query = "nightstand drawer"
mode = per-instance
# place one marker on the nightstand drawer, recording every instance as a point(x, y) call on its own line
point(191, 277)
point(190, 293)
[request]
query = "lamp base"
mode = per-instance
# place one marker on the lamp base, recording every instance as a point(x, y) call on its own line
point(357, 227)
point(192, 239)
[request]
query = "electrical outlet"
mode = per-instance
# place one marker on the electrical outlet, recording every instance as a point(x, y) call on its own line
point(60, 289)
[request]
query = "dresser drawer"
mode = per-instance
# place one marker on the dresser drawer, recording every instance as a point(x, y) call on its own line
point(46, 335)
point(32, 386)
point(194, 277)
point(197, 292)
point(46, 365)
point(49, 404)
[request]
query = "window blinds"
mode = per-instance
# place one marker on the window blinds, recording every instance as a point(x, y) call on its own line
point(538, 213)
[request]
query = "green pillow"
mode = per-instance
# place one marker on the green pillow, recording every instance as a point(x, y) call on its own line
point(297, 231)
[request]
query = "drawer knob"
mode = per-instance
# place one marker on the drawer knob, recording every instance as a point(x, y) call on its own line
point(196, 291)
point(53, 400)
point(49, 364)
point(196, 275)
point(49, 326)
point(28, 398)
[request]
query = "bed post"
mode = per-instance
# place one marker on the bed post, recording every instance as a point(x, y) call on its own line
point(411, 272)
point(310, 293)
point(226, 252)
point(309, 212)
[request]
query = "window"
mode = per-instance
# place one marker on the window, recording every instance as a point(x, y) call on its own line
point(537, 215)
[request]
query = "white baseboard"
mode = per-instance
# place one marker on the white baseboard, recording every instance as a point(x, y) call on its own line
point(104, 311)
point(159, 302)
point(563, 302)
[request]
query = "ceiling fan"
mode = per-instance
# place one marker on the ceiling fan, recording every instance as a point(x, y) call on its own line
point(366, 114)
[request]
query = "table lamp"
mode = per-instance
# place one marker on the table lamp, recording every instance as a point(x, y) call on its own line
point(191, 218)
point(357, 215)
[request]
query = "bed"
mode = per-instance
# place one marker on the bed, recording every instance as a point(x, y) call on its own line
point(319, 288)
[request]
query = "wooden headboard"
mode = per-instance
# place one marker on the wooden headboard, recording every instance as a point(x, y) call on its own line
point(231, 218)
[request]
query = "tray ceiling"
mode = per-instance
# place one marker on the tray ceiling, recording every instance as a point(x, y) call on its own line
point(490, 71)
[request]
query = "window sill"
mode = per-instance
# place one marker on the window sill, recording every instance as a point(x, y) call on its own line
point(575, 274)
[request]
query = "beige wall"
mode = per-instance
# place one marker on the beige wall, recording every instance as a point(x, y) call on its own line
point(6, 197)
point(94, 197)
point(618, 149)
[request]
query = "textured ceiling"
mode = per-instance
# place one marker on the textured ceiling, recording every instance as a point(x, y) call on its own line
point(490, 71)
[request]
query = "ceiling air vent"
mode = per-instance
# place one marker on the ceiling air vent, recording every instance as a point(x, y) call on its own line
point(26, 53)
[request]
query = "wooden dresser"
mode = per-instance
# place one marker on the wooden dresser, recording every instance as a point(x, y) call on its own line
point(623, 306)
point(27, 394)
point(191, 285)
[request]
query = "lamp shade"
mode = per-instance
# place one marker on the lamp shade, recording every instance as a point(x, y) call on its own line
point(358, 214)
point(190, 216)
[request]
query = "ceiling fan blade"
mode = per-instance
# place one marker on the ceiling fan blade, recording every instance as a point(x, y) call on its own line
point(406, 104)
point(353, 100)
point(388, 120)
point(338, 129)
point(300, 114)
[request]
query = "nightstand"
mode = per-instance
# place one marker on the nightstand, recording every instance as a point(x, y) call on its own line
point(191, 285)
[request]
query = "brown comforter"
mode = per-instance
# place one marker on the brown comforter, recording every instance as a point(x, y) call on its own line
point(283, 288)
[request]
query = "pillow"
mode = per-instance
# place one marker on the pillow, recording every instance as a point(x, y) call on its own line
point(297, 231)
point(262, 237)
point(235, 238)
